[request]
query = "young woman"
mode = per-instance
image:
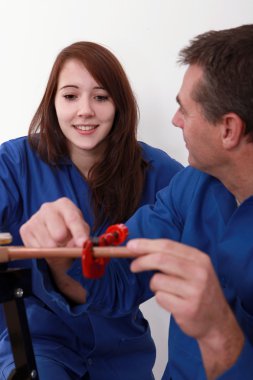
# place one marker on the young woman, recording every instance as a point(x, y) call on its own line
point(82, 146)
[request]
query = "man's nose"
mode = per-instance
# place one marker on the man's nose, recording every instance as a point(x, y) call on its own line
point(177, 121)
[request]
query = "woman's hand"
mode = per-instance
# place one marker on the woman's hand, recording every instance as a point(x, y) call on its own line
point(58, 224)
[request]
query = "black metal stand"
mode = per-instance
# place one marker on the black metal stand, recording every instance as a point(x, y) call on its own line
point(15, 284)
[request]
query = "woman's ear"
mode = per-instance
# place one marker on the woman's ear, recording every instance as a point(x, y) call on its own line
point(232, 130)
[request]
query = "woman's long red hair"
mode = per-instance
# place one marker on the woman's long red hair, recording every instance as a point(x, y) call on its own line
point(117, 181)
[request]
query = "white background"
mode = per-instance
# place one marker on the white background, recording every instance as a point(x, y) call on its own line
point(145, 35)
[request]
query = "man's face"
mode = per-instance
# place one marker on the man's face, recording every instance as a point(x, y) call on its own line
point(202, 138)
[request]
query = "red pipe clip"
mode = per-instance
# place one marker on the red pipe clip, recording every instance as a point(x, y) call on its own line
point(95, 267)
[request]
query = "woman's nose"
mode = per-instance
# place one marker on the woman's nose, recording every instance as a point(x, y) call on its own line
point(85, 108)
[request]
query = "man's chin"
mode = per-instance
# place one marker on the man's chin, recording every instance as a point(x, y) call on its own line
point(193, 163)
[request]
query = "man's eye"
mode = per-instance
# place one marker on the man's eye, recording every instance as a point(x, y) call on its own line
point(181, 110)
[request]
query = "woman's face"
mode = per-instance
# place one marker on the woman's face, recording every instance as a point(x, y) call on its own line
point(84, 109)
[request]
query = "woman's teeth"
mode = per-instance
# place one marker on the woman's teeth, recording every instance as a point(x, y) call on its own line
point(85, 127)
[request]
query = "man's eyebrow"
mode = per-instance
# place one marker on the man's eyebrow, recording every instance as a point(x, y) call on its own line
point(181, 106)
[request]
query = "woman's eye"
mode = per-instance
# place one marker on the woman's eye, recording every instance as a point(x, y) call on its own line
point(101, 98)
point(70, 97)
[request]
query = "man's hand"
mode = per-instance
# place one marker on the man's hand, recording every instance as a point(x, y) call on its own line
point(187, 286)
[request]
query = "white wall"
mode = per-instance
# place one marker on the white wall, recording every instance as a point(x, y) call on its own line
point(145, 35)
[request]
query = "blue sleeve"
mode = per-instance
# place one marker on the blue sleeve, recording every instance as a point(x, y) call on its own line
point(161, 220)
point(117, 292)
point(165, 219)
point(10, 182)
point(243, 368)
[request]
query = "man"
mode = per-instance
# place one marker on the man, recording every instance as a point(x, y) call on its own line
point(205, 279)
point(210, 210)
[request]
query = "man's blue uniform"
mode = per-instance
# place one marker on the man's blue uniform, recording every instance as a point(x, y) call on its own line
point(195, 209)
point(65, 336)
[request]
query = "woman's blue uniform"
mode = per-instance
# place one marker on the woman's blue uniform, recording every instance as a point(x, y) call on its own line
point(69, 341)
point(195, 209)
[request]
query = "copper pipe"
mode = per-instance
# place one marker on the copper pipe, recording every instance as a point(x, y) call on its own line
point(9, 253)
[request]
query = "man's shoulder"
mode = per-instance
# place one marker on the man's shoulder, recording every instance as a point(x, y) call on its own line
point(190, 183)
point(192, 176)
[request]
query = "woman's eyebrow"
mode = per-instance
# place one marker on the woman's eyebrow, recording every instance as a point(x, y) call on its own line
point(74, 86)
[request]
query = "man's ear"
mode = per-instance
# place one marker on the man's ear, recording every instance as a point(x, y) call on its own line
point(232, 130)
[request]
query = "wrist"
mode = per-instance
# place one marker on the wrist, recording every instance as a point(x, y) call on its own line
point(65, 284)
point(221, 347)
